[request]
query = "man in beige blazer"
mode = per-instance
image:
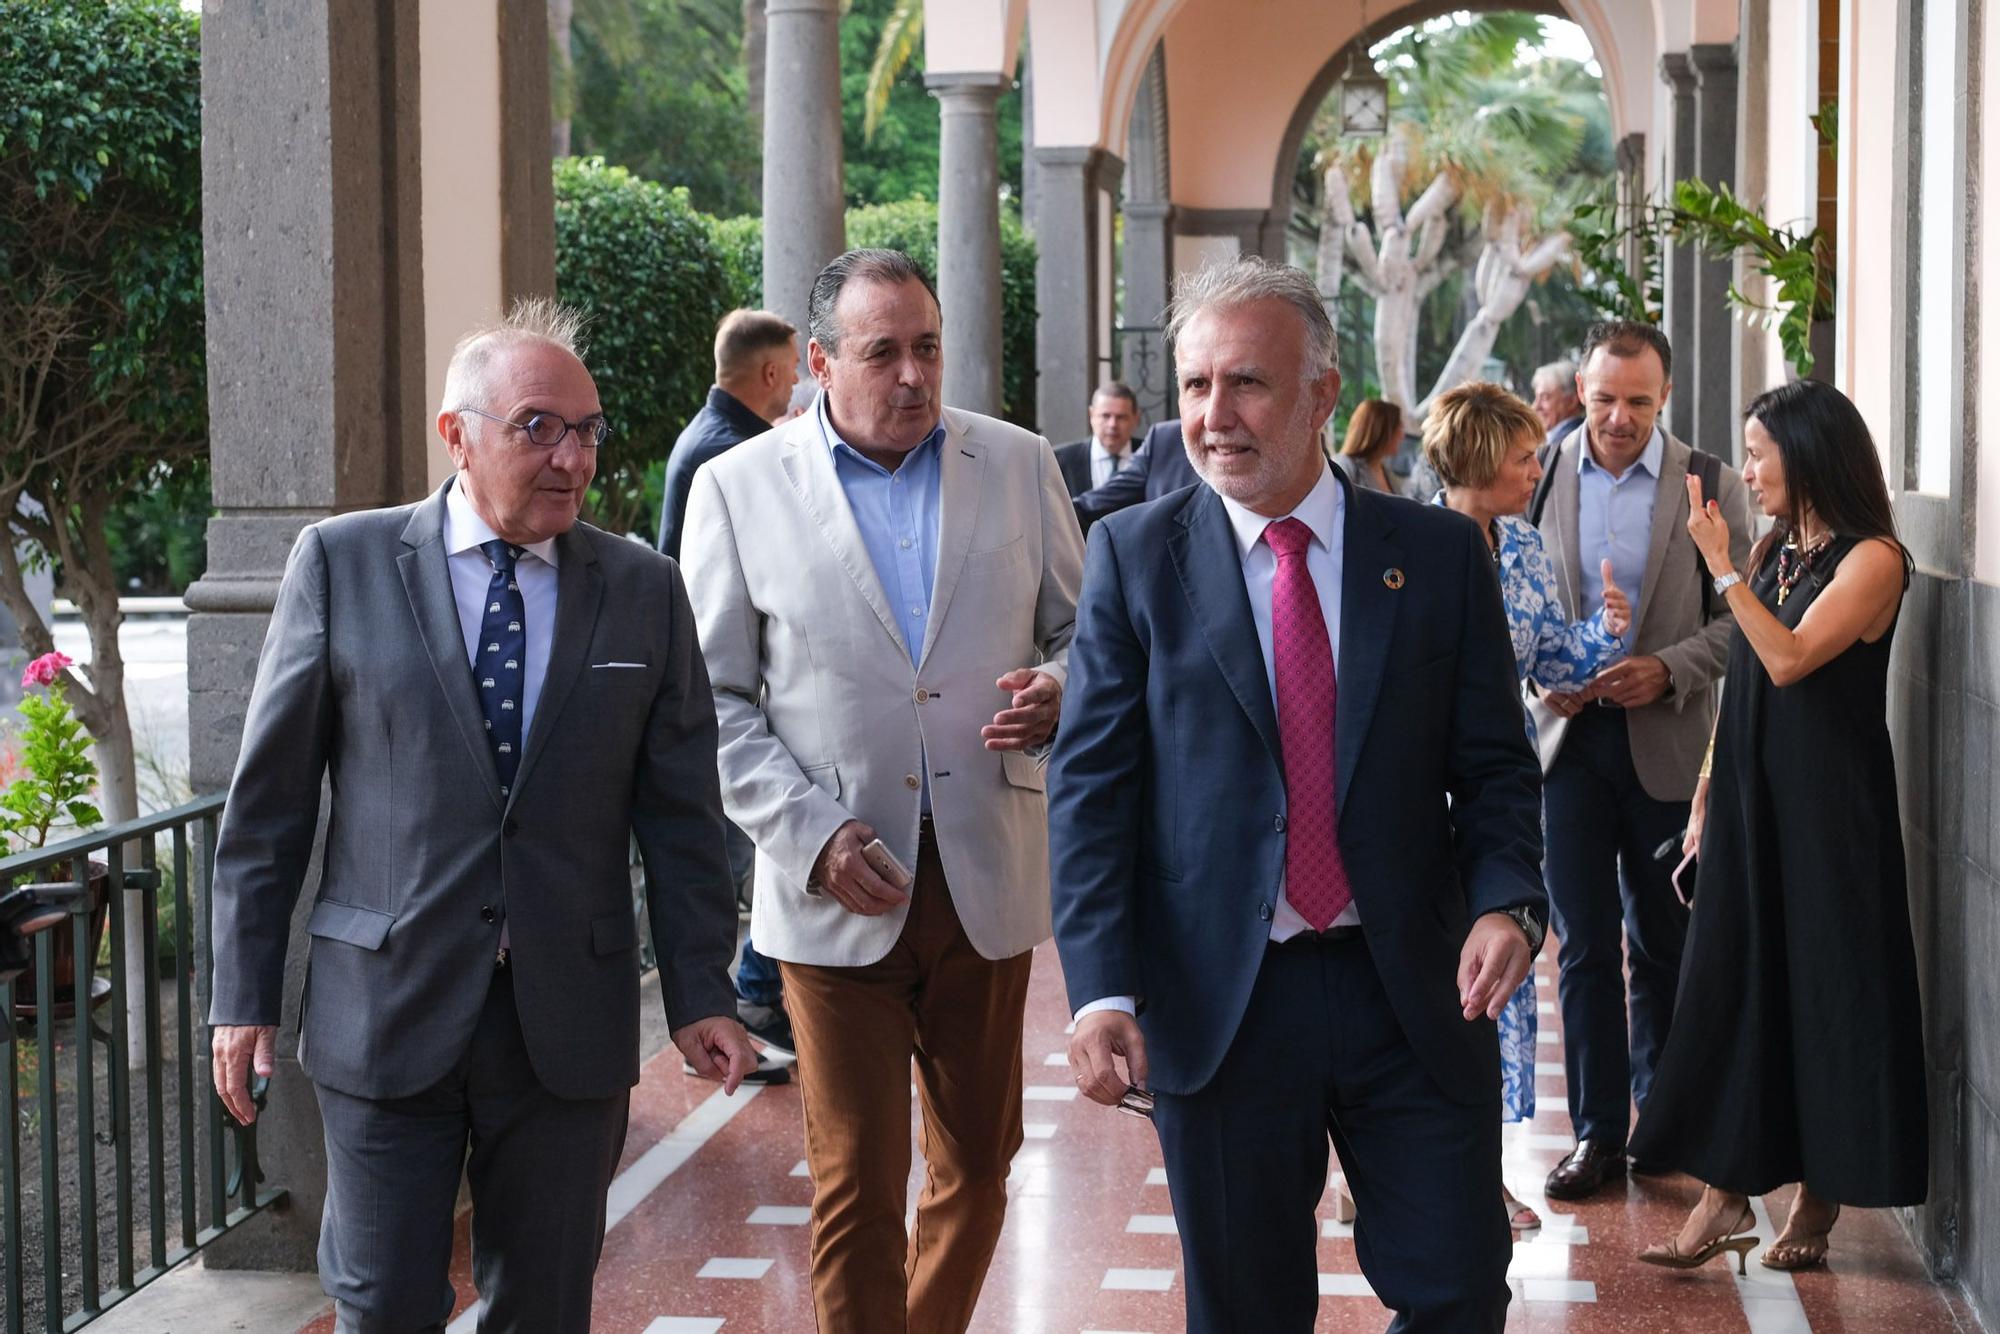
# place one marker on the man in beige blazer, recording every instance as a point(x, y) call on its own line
point(885, 591)
point(1621, 755)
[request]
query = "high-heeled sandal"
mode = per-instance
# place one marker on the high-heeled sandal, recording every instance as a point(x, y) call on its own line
point(1734, 1241)
point(1521, 1216)
point(1791, 1254)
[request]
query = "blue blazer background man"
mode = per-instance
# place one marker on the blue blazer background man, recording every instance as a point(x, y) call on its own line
point(1179, 824)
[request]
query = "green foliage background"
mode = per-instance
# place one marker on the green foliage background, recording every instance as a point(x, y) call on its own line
point(637, 258)
point(100, 233)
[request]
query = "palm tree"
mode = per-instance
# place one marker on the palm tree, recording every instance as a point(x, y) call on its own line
point(1498, 135)
point(901, 32)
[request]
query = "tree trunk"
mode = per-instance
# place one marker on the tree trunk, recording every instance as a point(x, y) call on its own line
point(1501, 281)
point(563, 80)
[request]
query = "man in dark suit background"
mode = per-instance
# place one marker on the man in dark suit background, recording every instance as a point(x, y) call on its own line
point(1294, 887)
point(1114, 415)
point(756, 365)
point(1159, 467)
point(501, 699)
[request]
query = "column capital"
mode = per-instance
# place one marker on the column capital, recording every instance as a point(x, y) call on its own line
point(965, 82)
point(1712, 59)
point(1676, 71)
point(773, 8)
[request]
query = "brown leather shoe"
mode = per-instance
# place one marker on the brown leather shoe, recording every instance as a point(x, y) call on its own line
point(1588, 1168)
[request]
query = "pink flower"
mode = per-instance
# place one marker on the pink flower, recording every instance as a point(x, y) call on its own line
point(45, 670)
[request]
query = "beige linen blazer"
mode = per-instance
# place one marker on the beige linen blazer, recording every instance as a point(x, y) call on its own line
point(822, 716)
point(1668, 735)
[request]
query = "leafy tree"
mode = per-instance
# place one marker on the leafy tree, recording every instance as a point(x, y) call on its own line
point(103, 381)
point(660, 88)
point(637, 258)
point(912, 226)
point(1490, 142)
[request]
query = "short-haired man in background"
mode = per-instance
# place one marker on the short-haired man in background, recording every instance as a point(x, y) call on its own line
point(1556, 401)
point(1114, 416)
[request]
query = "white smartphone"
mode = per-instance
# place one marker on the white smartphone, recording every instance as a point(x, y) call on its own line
point(885, 864)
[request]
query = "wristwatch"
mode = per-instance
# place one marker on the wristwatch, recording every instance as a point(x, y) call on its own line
point(1531, 926)
point(1725, 582)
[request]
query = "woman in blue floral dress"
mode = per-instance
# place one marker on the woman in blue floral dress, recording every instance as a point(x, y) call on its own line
point(1483, 441)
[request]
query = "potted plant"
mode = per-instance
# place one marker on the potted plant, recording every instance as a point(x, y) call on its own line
point(50, 787)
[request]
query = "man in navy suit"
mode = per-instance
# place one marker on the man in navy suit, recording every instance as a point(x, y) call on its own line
point(1295, 836)
point(1114, 415)
point(1158, 467)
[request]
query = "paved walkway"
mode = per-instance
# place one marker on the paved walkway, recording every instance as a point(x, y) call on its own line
point(709, 1228)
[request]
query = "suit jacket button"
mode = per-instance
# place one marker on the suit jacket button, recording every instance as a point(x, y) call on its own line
point(910, 781)
point(486, 914)
point(510, 828)
point(1263, 912)
point(923, 695)
point(1278, 823)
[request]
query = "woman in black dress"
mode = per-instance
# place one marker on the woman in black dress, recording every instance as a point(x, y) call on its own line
point(1797, 1047)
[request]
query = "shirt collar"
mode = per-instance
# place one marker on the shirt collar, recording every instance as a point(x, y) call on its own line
point(1319, 511)
point(1649, 458)
point(1098, 451)
point(464, 530)
point(834, 443)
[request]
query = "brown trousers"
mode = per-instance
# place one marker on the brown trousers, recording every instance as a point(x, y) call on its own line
point(934, 998)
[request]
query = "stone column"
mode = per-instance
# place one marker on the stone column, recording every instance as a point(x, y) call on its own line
point(1631, 166)
point(1679, 262)
point(1069, 319)
point(968, 263)
point(313, 253)
point(1711, 369)
point(1149, 248)
point(805, 224)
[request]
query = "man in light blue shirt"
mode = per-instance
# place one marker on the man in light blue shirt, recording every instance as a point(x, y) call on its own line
point(1621, 754)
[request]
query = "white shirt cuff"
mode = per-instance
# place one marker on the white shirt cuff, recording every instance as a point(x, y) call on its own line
point(1122, 1004)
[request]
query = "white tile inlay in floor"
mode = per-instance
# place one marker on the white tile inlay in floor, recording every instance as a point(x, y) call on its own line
point(1059, 1058)
point(1557, 1290)
point(1549, 1068)
point(1159, 1225)
point(799, 1169)
point(1544, 1038)
point(1038, 1129)
point(1156, 1177)
point(1138, 1280)
point(685, 1324)
point(1049, 1093)
point(781, 1215)
point(724, 1266)
point(1344, 1285)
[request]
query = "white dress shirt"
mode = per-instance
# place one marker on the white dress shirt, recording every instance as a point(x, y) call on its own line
point(1105, 465)
point(472, 574)
point(1324, 510)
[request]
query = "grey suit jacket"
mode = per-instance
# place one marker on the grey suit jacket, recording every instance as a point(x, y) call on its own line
point(364, 685)
point(1669, 735)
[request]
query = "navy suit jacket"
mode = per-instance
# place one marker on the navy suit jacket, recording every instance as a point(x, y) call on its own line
point(1074, 460)
point(1167, 790)
point(723, 423)
point(1160, 467)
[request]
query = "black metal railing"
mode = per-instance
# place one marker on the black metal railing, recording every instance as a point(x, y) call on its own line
point(73, 1061)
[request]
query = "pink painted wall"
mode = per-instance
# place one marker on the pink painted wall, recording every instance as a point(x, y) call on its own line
point(1867, 188)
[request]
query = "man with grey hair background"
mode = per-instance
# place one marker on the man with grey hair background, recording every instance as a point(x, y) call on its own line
point(1555, 401)
point(885, 589)
point(500, 699)
point(1295, 840)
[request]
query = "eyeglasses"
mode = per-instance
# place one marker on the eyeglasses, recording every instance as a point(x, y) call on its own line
point(547, 430)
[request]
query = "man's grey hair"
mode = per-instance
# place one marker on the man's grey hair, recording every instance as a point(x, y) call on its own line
point(532, 319)
point(1557, 374)
point(874, 266)
point(1248, 278)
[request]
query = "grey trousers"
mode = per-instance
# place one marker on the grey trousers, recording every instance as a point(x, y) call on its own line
point(539, 1167)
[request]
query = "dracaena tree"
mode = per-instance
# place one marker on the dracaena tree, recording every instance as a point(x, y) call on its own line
point(103, 385)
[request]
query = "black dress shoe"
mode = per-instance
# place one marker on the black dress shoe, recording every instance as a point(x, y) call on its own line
point(1589, 1166)
point(1639, 1167)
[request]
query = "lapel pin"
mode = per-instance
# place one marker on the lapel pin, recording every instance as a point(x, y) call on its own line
point(1392, 578)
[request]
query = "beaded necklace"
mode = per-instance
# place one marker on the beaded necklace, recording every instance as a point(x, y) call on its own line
point(1794, 565)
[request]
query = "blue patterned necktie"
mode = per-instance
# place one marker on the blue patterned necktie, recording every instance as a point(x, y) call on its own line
point(499, 667)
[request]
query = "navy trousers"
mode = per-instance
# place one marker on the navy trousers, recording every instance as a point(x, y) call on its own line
point(1613, 904)
point(1321, 1057)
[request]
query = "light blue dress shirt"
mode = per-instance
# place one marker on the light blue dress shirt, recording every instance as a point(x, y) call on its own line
point(1614, 518)
point(897, 513)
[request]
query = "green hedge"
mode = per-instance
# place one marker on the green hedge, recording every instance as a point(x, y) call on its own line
point(639, 260)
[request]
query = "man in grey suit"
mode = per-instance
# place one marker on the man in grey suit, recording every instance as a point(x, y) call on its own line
point(498, 698)
point(1621, 754)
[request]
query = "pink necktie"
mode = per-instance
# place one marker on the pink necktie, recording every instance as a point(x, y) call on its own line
point(1315, 879)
